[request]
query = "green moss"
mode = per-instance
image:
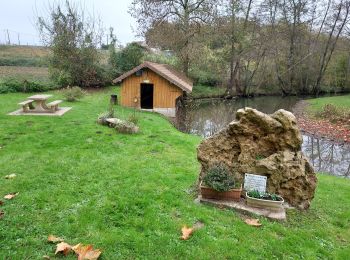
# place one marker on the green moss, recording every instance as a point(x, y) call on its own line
point(129, 194)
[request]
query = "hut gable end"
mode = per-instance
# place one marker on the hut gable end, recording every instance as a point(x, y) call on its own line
point(167, 72)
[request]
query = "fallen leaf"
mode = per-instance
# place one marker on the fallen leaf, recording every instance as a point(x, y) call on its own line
point(253, 222)
point(11, 176)
point(10, 196)
point(186, 232)
point(1, 203)
point(2, 214)
point(63, 248)
point(53, 239)
point(46, 257)
point(86, 252)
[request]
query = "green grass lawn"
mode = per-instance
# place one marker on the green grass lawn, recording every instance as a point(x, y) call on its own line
point(129, 195)
point(317, 104)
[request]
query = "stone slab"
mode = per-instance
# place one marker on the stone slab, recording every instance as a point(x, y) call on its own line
point(60, 112)
point(114, 120)
point(243, 207)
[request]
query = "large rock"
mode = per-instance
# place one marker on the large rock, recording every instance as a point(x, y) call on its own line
point(123, 126)
point(268, 145)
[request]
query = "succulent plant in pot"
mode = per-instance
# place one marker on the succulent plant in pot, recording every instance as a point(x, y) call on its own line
point(269, 201)
point(219, 183)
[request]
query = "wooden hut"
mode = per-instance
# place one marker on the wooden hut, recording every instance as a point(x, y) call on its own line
point(154, 87)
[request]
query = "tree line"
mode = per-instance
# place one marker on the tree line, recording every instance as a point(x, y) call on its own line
point(251, 46)
point(248, 47)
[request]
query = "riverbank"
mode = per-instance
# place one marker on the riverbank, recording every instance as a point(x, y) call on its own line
point(129, 195)
point(315, 119)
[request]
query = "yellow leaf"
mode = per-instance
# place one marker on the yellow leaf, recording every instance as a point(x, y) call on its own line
point(86, 252)
point(53, 239)
point(11, 196)
point(253, 222)
point(63, 248)
point(186, 232)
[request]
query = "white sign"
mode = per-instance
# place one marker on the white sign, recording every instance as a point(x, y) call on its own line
point(255, 182)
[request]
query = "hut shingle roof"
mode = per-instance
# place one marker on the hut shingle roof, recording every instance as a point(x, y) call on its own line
point(177, 78)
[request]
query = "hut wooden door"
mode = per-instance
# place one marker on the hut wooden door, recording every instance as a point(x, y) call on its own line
point(147, 96)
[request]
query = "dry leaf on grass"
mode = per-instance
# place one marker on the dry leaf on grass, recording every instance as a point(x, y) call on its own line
point(10, 196)
point(53, 239)
point(186, 232)
point(46, 257)
point(253, 222)
point(2, 214)
point(1, 202)
point(86, 252)
point(63, 248)
point(11, 176)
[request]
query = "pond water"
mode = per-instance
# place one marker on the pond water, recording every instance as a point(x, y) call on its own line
point(205, 118)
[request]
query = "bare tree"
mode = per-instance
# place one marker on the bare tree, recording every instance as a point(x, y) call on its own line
point(187, 15)
point(338, 19)
point(238, 17)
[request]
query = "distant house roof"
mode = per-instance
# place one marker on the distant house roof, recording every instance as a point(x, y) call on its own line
point(175, 77)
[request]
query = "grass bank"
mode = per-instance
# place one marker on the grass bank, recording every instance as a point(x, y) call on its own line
point(130, 195)
point(327, 117)
point(317, 104)
point(200, 91)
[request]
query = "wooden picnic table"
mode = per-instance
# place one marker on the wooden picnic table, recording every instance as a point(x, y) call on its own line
point(40, 101)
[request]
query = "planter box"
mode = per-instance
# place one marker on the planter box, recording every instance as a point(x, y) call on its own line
point(209, 193)
point(265, 204)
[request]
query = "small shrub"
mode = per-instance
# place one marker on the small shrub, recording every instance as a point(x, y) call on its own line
point(133, 118)
point(219, 178)
point(102, 118)
point(334, 114)
point(72, 94)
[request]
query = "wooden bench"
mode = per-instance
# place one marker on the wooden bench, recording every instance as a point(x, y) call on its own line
point(27, 105)
point(53, 106)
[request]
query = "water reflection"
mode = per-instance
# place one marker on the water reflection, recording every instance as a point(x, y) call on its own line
point(327, 156)
point(208, 117)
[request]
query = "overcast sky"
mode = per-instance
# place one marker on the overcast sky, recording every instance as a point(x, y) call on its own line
point(18, 16)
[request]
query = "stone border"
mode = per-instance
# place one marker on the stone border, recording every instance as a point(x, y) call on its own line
point(243, 207)
point(60, 112)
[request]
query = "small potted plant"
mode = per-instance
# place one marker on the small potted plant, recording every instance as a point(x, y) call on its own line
point(264, 200)
point(218, 183)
